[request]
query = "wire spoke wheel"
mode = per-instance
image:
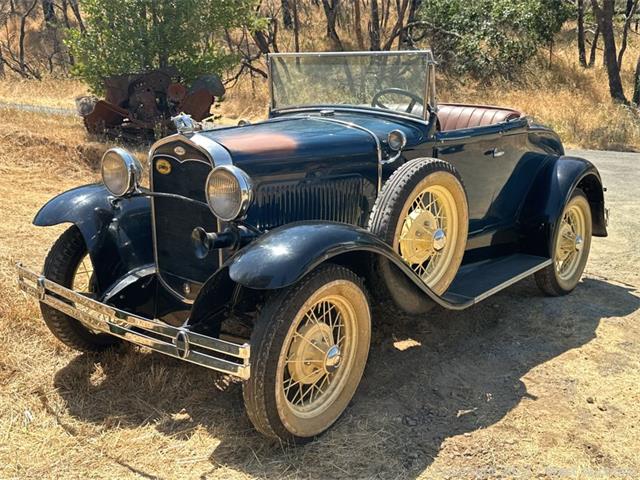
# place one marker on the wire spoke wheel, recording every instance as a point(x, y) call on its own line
point(570, 250)
point(309, 350)
point(83, 276)
point(570, 241)
point(319, 352)
point(430, 220)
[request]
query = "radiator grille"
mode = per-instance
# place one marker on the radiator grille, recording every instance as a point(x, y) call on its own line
point(338, 200)
point(175, 219)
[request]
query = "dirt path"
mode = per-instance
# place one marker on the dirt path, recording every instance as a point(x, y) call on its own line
point(518, 386)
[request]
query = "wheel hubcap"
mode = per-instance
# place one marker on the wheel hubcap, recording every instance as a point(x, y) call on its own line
point(424, 237)
point(319, 354)
point(570, 242)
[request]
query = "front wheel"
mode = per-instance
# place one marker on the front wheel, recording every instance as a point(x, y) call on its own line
point(68, 264)
point(309, 350)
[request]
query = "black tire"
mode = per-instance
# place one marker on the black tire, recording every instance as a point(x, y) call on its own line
point(390, 284)
point(60, 266)
point(271, 345)
point(549, 279)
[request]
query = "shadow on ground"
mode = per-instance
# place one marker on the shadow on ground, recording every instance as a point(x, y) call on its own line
point(465, 375)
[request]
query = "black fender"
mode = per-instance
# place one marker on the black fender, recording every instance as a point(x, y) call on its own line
point(550, 191)
point(117, 232)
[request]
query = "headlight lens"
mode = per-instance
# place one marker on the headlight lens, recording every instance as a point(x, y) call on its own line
point(397, 140)
point(121, 171)
point(229, 192)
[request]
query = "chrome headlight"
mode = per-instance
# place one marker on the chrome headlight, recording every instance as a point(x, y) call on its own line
point(396, 140)
point(229, 192)
point(121, 171)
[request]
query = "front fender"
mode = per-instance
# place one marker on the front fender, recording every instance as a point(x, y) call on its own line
point(551, 190)
point(117, 233)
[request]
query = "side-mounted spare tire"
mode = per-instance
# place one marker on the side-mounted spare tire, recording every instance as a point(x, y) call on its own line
point(422, 212)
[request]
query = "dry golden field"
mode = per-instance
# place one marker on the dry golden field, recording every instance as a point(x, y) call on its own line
point(520, 386)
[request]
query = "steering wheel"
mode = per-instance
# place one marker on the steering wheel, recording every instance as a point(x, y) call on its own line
point(375, 101)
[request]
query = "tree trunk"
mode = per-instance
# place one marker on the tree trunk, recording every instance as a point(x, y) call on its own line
point(413, 8)
point(604, 15)
point(632, 6)
point(582, 51)
point(594, 48)
point(636, 87)
point(287, 20)
point(358, 23)
point(23, 32)
point(296, 26)
point(331, 10)
point(374, 26)
point(76, 12)
point(49, 12)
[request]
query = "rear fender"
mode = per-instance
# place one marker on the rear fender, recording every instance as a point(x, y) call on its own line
point(117, 232)
point(550, 192)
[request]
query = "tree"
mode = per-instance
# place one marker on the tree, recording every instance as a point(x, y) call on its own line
point(489, 38)
point(134, 36)
point(604, 12)
point(582, 49)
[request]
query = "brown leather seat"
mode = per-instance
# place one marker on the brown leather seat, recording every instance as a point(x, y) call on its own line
point(456, 116)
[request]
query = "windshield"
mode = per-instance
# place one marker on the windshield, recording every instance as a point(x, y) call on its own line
point(394, 81)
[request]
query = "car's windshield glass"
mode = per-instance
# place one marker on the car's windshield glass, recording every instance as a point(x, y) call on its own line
point(388, 80)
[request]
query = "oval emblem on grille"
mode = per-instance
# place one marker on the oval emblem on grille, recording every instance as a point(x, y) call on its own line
point(163, 167)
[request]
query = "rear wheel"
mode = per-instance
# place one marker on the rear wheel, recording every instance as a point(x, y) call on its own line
point(572, 242)
point(68, 264)
point(309, 350)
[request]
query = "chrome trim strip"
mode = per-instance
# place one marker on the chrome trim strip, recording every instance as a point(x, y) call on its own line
point(216, 152)
point(217, 155)
point(513, 280)
point(348, 109)
point(426, 52)
point(177, 342)
point(130, 278)
point(363, 129)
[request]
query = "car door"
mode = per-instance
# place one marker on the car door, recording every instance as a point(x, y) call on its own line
point(486, 158)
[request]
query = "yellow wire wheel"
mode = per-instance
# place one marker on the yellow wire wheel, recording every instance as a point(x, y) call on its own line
point(571, 246)
point(422, 213)
point(322, 330)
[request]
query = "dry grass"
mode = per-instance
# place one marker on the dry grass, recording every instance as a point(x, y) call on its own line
point(520, 386)
point(50, 92)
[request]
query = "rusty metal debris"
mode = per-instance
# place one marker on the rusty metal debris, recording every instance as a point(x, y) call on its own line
point(141, 105)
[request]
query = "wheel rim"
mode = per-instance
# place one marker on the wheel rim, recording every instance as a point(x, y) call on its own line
point(570, 242)
point(318, 352)
point(82, 278)
point(425, 238)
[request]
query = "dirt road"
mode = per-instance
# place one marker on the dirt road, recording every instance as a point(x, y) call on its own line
point(518, 386)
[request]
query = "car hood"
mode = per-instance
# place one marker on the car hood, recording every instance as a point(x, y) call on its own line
point(293, 138)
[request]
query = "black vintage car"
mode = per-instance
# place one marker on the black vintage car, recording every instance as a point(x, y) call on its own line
point(258, 250)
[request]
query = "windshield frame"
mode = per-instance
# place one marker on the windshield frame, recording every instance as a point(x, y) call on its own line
point(429, 94)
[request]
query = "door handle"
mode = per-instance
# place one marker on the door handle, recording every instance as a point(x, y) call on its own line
point(495, 152)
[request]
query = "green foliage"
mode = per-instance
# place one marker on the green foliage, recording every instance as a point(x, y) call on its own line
point(486, 38)
point(130, 36)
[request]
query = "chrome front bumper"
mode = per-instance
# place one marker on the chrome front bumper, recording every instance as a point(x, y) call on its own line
point(177, 342)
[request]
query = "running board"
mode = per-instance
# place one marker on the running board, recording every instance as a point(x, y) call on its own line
point(477, 281)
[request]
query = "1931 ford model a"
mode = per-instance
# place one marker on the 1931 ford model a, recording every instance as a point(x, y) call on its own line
point(258, 249)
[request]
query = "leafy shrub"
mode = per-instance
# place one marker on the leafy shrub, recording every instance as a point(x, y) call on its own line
point(131, 36)
point(486, 38)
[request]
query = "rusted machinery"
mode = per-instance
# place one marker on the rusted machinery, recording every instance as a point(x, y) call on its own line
point(141, 105)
